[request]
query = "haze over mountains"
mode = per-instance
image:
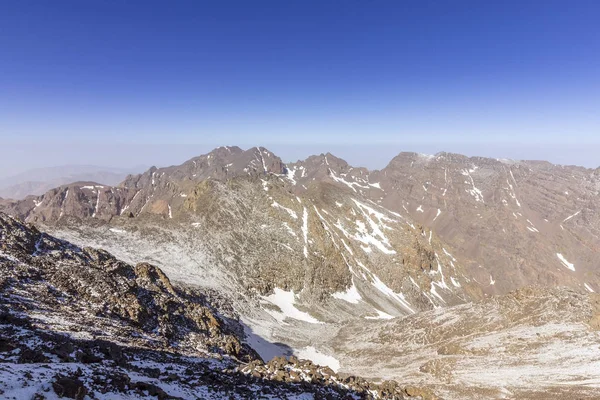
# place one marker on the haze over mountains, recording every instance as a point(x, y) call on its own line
point(378, 273)
point(39, 181)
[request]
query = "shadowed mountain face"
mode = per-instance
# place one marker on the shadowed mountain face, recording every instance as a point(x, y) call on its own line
point(302, 249)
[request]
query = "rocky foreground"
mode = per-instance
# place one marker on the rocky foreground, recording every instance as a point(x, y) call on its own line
point(78, 323)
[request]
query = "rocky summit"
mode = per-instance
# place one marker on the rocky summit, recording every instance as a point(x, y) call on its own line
point(425, 273)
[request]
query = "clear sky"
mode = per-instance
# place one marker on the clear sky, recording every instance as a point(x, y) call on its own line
point(124, 83)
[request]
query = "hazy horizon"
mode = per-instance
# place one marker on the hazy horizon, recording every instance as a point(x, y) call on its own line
point(370, 156)
point(155, 83)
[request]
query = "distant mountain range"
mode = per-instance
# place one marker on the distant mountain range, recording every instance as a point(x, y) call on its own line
point(39, 181)
point(317, 254)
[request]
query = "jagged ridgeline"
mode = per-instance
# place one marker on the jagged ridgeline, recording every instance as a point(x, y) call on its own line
point(309, 252)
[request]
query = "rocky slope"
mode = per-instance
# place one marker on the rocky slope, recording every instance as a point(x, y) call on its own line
point(534, 343)
point(510, 223)
point(304, 250)
point(77, 322)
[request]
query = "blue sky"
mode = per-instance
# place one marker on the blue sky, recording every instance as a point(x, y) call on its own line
point(124, 83)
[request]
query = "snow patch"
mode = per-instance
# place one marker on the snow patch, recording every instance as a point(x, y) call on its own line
point(286, 302)
point(319, 358)
point(351, 295)
point(383, 288)
point(474, 191)
point(454, 281)
point(97, 205)
point(380, 315)
point(376, 237)
point(305, 231)
point(571, 216)
point(564, 261)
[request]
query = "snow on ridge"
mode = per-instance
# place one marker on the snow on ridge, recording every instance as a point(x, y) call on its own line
point(345, 182)
point(97, 205)
point(286, 301)
point(571, 216)
point(127, 206)
point(262, 159)
point(454, 282)
point(305, 231)
point(291, 212)
point(289, 229)
point(290, 174)
point(443, 283)
point(564, 261)
point(475, 192)
point(446, 252)
point(532, 227)
point(366, 238)
point(434, 292)
point(382, 287)
point(377, 238)
point(385, 289)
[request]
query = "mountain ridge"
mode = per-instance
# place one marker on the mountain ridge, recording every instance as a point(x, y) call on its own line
point(389, 187)
point(303, 249)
